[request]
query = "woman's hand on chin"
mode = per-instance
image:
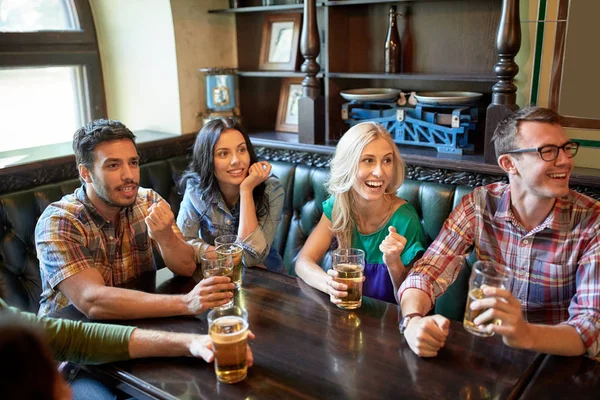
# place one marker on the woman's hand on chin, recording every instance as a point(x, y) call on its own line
point(257, 174)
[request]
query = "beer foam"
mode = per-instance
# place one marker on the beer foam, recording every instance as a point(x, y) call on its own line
point(222, 323)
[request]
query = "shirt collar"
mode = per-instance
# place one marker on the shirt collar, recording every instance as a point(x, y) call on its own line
point(100, 221)
point(504, 211)
point(219, 201)
point(557, 220)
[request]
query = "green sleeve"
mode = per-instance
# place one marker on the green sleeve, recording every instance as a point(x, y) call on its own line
point(81, 342)
point(328, 207)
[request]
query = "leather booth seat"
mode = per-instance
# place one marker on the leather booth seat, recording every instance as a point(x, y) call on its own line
point(304, 193)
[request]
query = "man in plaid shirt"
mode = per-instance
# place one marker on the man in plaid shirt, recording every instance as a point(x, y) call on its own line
point(545, 233)
point(103, 235)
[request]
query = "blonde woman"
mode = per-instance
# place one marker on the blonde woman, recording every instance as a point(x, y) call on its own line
point(364, 212)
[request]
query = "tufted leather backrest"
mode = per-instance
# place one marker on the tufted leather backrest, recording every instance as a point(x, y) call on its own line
point(285, 172)
point(20, 283)
point(162, 177)
point(433, 202)
point(308, 195)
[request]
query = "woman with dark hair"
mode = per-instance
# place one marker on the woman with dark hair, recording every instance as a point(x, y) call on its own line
point(227, 191)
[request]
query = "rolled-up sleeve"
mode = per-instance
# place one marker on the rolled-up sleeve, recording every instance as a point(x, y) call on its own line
point(80, 342)
point(258, 244)
point(584, 309)
point(188, 221)
point(61, 246)
point(442, 261)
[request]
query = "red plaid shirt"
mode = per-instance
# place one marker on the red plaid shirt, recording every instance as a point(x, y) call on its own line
point(556, 265)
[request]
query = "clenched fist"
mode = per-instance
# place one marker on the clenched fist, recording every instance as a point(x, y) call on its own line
point(160, 220)
point(392, 247)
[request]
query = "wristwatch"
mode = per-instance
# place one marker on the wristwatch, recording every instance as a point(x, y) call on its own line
point(405, 320)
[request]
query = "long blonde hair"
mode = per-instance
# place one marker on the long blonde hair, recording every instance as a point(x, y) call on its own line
point(343, 171)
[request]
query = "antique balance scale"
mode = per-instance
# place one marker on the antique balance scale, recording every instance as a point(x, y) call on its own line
point(442, 120)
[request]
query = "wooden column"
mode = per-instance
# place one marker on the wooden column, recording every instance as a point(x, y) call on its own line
point(311, 119)
point(504, 92)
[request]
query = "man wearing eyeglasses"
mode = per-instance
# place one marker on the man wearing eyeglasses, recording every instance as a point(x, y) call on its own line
point(547, 234)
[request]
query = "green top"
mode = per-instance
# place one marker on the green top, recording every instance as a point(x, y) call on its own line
point(80, 342)
point(405, 219)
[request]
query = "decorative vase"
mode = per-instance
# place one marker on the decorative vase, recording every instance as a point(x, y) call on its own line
point(220, 93)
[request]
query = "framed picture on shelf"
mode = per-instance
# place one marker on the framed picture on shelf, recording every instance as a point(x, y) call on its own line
point(279, 45)
point(287, 112)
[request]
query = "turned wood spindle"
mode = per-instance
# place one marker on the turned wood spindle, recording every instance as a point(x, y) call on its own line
point(504, 92)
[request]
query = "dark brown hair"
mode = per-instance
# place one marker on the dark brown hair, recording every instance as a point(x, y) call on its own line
point(201, 170)
point(505, 135)
point(89, 136)
point(28, 371)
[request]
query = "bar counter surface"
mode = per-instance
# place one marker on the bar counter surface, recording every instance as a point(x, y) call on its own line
point(306, 348)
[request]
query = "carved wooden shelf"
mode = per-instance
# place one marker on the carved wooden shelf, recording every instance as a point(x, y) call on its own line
point(284, 7)
point(274, 74)
point(356, 2)
point(488, 78)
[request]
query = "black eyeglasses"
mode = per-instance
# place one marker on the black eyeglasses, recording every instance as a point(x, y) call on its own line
point(550, 152)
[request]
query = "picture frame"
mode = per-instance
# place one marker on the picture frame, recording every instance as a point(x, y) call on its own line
point(279, 45)
point(287, 111)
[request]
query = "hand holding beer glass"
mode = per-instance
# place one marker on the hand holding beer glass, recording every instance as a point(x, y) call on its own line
point(216, 264)
point(228, 331)
point(230, 244)
point(484, 273)
point(349, 265)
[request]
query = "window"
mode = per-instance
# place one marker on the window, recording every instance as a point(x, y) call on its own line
point(37, 15)
point(50, 74)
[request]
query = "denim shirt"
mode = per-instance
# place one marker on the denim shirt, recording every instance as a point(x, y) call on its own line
point(201, 222)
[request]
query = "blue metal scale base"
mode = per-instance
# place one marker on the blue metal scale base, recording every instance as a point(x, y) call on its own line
point(443, 127)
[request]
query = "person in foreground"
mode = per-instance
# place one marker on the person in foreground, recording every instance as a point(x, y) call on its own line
point(104, 234)
point(364, 212)
point(545, 233)
point(33, 343)
point(227, 191)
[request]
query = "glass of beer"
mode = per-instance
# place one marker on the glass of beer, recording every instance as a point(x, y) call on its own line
point(216, 264)
point(228, 331)
point(231, 244)
point(488, 273)
point(350, 264)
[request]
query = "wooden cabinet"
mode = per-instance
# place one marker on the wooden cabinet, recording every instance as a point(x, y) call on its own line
point(447, 45)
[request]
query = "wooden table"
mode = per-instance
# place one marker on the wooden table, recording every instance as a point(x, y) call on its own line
point(565, 378)
point(307, 348)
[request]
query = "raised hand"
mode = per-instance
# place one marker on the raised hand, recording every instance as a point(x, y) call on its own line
point(257, 174)
point(160, 220)
point(209, 293)
point(501, 305)
point(392, 247)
